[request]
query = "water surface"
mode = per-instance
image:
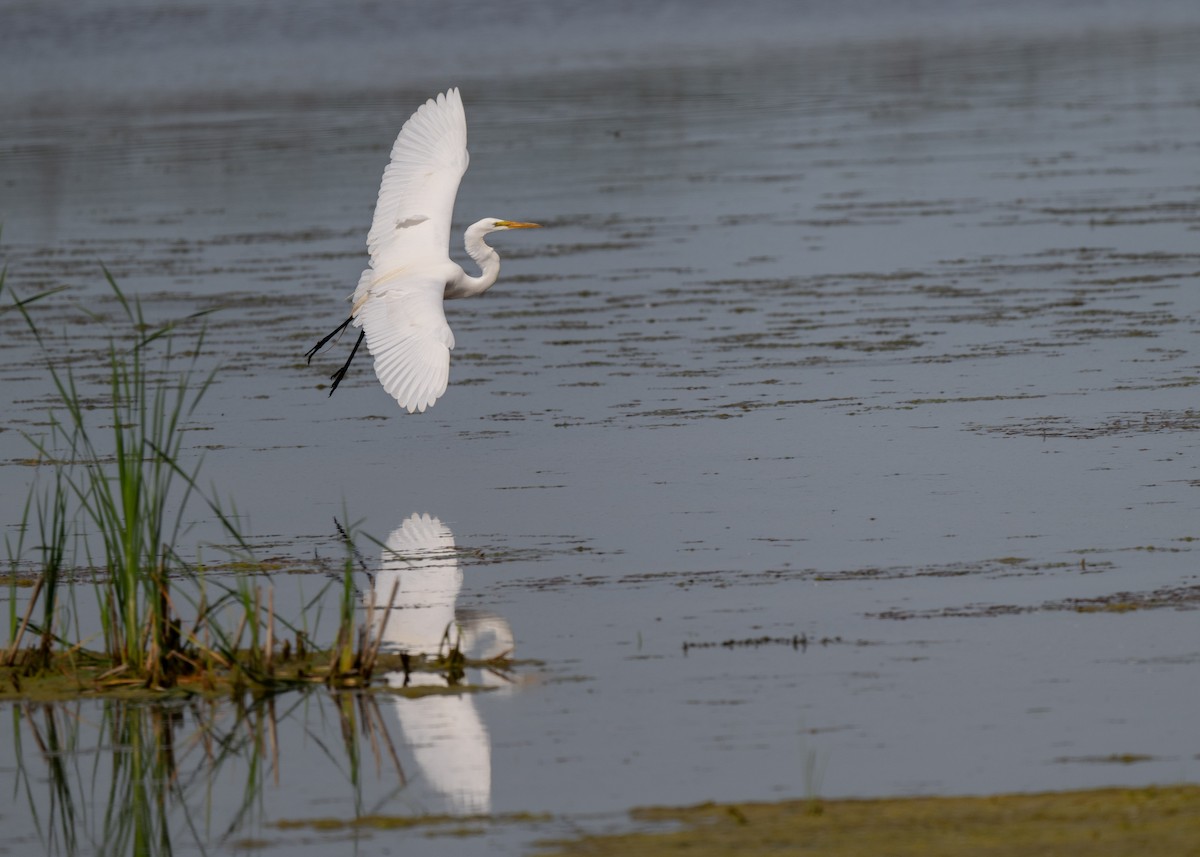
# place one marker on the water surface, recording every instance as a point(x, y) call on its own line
point(836, 437)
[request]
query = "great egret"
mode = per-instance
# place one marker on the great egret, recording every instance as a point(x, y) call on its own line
point(398, 301)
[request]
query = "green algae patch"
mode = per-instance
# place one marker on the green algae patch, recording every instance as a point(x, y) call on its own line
point(459, 825)
point(50, 677)
point(1099, 823)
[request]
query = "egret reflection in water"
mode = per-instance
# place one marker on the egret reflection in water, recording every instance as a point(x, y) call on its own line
point(448, 739)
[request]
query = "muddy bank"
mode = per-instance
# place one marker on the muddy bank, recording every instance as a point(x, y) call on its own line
point(1103, 823)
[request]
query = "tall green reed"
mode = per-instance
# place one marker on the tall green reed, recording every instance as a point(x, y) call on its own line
point(127, 479)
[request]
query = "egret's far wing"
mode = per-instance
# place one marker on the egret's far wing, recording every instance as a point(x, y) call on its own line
point(416, 195)
point(407, 334)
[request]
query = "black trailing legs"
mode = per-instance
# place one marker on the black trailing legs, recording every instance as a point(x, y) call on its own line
point(341, 373)
point(312, 352)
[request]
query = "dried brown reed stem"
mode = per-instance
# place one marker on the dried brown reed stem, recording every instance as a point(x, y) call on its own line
point(11, 655)
point(270, 642)
point(372, 654)
point(273, 738)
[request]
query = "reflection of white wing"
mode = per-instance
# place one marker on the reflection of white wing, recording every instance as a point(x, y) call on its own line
point(450, 745)
point(420, 557)
point(416, 195)
point(422, 538)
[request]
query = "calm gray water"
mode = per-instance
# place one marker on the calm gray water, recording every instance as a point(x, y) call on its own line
point(866, 324)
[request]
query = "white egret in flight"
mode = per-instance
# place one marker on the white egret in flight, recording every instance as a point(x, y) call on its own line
point(398, 301)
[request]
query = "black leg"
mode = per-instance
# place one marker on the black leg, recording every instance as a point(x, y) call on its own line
point(312, 352)
point(341, 373)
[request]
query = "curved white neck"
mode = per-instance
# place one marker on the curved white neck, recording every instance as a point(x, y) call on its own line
point(485, 257)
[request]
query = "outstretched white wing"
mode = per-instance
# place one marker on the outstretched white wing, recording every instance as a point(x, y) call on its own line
point(416, 195)
point(407, 334)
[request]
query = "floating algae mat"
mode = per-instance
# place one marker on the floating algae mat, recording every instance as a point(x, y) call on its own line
point(78, 674)
point(1107, 822)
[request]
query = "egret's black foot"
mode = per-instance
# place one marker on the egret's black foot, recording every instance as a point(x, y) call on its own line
point(312, 352)
point(341, 373)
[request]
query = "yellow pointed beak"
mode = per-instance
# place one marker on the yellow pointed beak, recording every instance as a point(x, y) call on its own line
point(513, 224)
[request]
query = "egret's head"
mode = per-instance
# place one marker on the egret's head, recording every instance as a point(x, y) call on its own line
point(478, 230)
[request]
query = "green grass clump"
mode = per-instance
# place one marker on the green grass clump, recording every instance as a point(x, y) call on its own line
point(118, 488)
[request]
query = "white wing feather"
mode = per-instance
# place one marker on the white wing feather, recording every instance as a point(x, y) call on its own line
point(398, 302)
point(407, 333)
point(416, 195)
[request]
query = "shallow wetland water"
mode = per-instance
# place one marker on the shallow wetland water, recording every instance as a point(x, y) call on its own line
point(837, 437)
